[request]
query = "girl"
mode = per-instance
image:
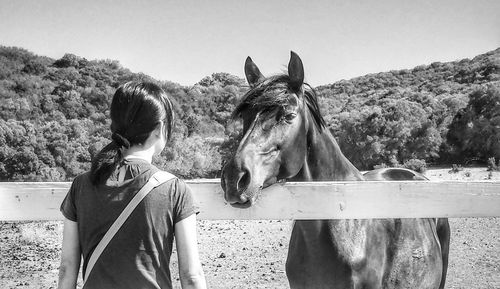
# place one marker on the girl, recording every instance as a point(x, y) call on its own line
point(138, 255)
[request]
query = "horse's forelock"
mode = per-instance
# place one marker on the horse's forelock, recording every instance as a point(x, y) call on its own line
point(269, 93)
point(272, 92)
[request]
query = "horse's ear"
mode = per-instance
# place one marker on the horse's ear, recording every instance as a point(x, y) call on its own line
point(252, 72)
point(295, 71)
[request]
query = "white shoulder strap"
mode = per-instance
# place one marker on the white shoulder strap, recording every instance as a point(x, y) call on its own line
point(155, 180)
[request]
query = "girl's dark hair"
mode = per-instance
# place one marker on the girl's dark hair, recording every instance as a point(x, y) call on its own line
point(136, 110)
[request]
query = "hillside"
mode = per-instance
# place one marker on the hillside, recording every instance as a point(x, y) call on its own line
point(53, 115)
point(394, 116)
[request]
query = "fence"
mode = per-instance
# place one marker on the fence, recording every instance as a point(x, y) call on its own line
point(317, 200)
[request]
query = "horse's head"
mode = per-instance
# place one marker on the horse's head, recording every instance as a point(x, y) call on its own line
point(277, 113)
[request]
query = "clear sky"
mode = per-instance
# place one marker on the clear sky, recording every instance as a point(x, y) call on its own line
point(185, 40)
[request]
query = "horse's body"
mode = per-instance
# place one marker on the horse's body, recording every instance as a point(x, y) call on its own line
point(284, 138)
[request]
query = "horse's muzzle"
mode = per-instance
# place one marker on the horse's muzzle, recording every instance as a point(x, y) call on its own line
point(235, 184)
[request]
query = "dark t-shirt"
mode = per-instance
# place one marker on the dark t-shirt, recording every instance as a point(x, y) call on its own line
point(138, 256)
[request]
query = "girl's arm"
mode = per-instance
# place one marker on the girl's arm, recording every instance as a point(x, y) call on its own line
point(190, 271)
point(70, 256)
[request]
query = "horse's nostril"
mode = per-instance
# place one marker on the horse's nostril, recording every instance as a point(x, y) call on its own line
point(244, 181)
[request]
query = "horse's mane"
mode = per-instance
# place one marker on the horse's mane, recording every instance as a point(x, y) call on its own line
point(273, 92)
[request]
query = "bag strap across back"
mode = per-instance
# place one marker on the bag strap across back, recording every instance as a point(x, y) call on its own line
point(155, 180)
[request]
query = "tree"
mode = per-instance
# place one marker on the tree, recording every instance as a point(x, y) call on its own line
point(475, 130)
point(68, 60)
point(221, 79)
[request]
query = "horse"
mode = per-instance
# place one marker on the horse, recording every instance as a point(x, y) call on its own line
point(285, 138)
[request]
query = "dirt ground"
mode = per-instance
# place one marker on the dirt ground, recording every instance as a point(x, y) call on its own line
point(251, 254)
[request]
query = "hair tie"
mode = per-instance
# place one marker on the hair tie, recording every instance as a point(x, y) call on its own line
point(120, 140)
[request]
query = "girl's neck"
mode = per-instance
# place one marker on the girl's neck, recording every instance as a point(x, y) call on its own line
point(138, 153)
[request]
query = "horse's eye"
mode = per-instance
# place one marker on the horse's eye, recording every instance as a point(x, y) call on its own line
point(288, 117)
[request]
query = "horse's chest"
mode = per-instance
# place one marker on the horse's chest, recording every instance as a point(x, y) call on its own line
point(317, 257)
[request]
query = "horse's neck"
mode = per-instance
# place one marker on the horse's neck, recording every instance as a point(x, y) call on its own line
point(324, 161)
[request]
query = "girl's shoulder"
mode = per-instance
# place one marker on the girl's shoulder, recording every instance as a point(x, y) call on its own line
point(173, 185)
point(81, 180)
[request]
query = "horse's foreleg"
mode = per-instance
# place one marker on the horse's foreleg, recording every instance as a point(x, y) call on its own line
point(443, 232)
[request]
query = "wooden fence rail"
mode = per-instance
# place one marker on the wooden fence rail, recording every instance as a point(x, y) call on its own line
point(318, 200)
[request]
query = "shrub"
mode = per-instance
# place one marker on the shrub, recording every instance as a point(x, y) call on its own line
point(492, 165)
point(381, 166)
point(416, 165)
point(455, 169)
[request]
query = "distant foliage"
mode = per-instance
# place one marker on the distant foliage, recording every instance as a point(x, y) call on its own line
point(380, 166)
point(395, 126)
point(406, 114)
point(54, 115)
point(412, 164)
point(416, 165)
point(475, 130)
